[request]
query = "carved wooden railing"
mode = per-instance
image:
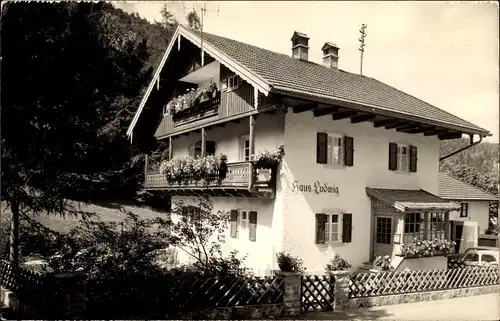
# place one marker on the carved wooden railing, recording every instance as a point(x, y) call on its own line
point(238, 174)
point(198, 111)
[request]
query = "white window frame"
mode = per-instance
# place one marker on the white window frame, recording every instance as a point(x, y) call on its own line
point(330, 148)
point(464, 205)
point(232, 83)
point(193, 147)
point(243, 224)
point(403, 166)
point(329, 225)
point(243, 140)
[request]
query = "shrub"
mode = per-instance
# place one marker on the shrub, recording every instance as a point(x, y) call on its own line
point(383, 262)
point(289, 263)
point(337, 264)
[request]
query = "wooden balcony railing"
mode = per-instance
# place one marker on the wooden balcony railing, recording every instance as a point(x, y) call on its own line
point(238, 175)
point(201, 110)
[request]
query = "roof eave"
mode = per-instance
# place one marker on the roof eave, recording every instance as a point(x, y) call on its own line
point(379, 110)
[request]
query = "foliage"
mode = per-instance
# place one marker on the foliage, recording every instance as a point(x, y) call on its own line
point(191, 97)
point(267, 159)
point(207, 168)
point(337, 264)
point(193, 20)
point(168, 19)
point(290, 263)
point(383, 262)
point(424, 248)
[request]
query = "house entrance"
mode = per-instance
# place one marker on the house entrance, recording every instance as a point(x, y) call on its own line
point(383, 235)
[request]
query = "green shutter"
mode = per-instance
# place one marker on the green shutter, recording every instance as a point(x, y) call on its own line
point(413, 159)
point(321, 148)
point(233, 221)
point(393, 156)
point(348, 151)
point(346, 227)
point(252, 235)
point(320, 228)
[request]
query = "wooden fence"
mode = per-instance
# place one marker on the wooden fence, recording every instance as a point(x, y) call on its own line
point(387, 283)
point(317, 293)
point(28, 286)
point(454, 261)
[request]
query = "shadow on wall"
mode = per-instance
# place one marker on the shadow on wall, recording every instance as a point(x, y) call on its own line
point(359, 314)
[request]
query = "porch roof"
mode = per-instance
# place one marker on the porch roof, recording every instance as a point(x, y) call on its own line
point(411, 200)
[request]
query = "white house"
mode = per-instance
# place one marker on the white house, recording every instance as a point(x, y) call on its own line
point(473, 211)
point(360, 171)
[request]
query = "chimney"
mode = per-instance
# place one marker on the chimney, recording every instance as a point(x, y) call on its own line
point(330, 55)
point(300, 46)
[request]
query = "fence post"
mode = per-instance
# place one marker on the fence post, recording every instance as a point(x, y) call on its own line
point(341, 289)
point(69, 295)
point(291, 293)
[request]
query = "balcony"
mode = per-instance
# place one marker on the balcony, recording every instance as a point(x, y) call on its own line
point(200, 110)
point(239, 179)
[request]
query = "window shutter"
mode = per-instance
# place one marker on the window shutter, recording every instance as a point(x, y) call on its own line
point(321, 148)
point(252, 235)
point(393, 156)
point(413, 159)
point(348, 151)
point(346, 227)
point(233, 221)
point(320, 228)
point(210, 147)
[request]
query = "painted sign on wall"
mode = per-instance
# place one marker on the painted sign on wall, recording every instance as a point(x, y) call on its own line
point(316, 187)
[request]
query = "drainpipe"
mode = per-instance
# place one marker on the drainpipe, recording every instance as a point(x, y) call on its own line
point(462, 149)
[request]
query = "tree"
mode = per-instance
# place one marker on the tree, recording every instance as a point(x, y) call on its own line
point(168, 19)
point(70, 75)
point(193, 20)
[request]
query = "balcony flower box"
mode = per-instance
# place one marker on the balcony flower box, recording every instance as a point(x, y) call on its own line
point(426, 248)
point(192, 98)
point(195, 171)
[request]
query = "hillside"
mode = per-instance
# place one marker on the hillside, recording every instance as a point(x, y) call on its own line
point(483, 157)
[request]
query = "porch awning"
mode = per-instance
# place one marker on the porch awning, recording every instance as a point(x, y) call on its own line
point(412, 200)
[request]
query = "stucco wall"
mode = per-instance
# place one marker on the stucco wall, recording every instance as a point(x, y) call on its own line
point(370, 169)
point(478, 212)
point(261, 253)
point(268, 135)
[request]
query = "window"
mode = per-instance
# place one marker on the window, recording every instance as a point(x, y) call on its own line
point(488, 258)
point(384, 230)
point(437, 226)
point(243, 224)
point(464, 209)
point(232, 83)
point(244, 148)
point(195, 148)
point(472, 257)
point(414, 227)
point(402, 158)
point(333, 228)
point(334, 149)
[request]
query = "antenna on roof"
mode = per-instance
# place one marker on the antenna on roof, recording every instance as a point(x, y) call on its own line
point(362, 30)
point(203, 10)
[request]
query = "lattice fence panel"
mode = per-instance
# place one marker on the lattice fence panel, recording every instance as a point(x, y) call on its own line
point(454, 263)
point(26, 284)
point(386, 283)
point(317, 293)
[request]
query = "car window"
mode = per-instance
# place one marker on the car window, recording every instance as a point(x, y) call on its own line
point(474, 257)
point(488, 258)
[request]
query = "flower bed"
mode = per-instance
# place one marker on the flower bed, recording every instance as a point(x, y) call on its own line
point(209, 168)
point(426, 248)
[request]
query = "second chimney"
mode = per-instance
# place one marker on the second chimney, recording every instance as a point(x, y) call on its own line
point(330, 55)
point(300, 46)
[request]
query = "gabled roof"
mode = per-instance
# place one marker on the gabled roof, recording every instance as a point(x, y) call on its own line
point(411, 200)
point(280, 73)
point(455, 189)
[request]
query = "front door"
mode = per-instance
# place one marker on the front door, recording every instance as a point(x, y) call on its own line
point(383, 235)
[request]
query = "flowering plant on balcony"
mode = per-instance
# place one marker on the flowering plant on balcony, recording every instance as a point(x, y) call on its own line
point(268, 159)
point(423, 248)
point(182, 168)
point(191, 97)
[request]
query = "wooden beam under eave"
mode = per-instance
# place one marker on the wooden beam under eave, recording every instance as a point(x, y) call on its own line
point(304, 107)
point(385, 122)
point(343, 115)
point(396, 125)
point(361, 118)
point(325, 111)
point(405, 127)
point(417, 130)
point(433, 132)
point(452, 135)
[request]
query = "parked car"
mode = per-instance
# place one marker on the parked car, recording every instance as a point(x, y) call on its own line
point(481, 256)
